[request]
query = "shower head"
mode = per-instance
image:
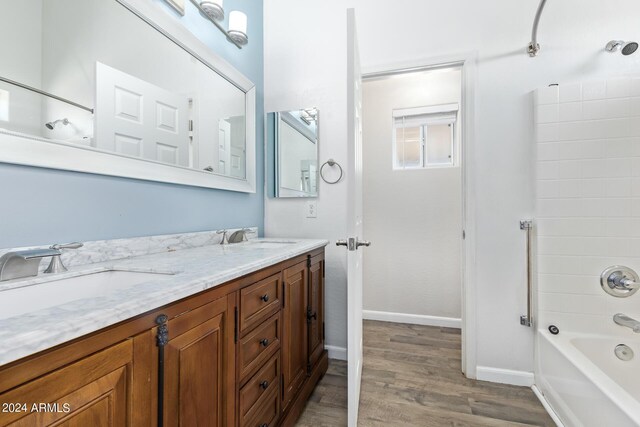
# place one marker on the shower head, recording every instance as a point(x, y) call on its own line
point(626, 48)
point(52, 125)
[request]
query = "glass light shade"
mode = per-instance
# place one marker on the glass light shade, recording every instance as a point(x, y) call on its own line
point(213, 8)
point(238, 27)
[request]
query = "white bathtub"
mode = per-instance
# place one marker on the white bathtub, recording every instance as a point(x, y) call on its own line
point(585, 383)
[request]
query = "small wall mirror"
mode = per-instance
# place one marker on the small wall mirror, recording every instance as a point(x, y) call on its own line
point(293, 138)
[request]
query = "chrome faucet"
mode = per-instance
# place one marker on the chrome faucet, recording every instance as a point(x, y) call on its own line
point(240, 235)
point(21, 264)
point(628, 322)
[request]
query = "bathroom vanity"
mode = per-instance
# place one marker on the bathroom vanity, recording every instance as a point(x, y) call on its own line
point(239, 341)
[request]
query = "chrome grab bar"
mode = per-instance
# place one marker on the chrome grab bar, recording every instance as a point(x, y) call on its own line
point(527, 319)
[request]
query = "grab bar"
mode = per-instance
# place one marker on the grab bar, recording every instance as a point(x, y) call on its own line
point(527, 319)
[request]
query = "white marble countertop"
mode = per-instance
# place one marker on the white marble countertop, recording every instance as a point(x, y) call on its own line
point(195, 270)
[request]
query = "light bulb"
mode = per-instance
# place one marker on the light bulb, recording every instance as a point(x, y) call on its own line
point(213, 9)
point(238, 27)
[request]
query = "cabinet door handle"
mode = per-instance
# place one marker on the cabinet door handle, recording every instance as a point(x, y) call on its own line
point(265, 297)
point(264, 385)
point(264, 342)
point(162, 339)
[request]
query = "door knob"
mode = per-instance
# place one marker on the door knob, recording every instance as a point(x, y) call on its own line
point(341, 243)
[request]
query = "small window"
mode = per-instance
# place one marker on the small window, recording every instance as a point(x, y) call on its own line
point(424, 137)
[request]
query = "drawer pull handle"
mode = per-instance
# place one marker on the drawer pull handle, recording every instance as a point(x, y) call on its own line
point(265, 297)
point(264, 425)
point(264, 385)
point(264, 342)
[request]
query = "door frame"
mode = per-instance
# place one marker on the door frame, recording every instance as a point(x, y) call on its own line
point(467, 62)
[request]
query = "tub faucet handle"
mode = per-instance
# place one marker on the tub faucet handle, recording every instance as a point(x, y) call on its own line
point(619, 281)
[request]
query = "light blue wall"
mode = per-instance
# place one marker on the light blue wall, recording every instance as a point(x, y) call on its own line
point(43, 206)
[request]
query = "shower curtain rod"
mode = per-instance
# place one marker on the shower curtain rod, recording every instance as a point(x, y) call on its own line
point(534, 47)
point(41, 92)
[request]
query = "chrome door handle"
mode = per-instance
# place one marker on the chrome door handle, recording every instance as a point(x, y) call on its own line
point(362, 243)
point(352, 243)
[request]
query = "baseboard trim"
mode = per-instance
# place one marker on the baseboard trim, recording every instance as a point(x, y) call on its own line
point(414, 319)
point(504, 376)
point(547, 406)
point(335, 352)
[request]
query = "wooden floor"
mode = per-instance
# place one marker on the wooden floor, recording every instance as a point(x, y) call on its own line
point(411, 377)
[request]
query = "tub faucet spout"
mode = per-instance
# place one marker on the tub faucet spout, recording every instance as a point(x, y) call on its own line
point(626, 321)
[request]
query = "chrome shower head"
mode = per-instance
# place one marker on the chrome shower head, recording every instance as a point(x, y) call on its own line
point(626, 48)
point(52, 125)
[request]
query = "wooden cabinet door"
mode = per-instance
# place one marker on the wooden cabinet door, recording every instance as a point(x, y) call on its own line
point(315, 314)
point(294, 332)
point(95, 391)
point(199, 371)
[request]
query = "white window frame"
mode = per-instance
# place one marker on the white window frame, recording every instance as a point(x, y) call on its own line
point(425, 116)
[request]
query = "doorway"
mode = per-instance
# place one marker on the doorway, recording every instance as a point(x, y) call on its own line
point(414, 196)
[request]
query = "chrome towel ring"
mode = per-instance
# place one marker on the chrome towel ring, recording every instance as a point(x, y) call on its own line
point(331, 163)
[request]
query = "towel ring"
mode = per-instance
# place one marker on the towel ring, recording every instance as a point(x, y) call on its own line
point(331, 163)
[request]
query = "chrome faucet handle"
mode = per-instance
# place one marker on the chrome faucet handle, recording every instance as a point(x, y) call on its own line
point(56, 265)
point(247, 231)
point(619, 281)
point(73, 245)
point(225, 239)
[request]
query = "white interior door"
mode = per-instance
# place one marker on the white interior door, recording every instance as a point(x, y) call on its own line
point(354, 221)
point(136, 118)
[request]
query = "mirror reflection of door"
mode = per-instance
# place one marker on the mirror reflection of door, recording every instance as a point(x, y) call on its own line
point(136, 118)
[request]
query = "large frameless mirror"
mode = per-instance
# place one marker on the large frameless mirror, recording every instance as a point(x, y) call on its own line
point(120, 87)
point(293, 137)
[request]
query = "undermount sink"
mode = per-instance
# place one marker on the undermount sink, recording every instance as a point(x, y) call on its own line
point(29, 298)
point(270, 244)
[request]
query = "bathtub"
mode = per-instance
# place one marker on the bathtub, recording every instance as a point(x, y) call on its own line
point(585, 383)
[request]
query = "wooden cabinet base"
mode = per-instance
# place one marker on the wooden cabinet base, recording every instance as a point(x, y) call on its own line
point(191, 362)
point(298, 404)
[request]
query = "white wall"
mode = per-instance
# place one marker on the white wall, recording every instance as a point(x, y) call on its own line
point(22, 62)
point(413, 217)
point(305, 65)
point(588, 201)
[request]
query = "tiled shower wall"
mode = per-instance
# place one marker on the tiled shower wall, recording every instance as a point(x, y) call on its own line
point(587, 200)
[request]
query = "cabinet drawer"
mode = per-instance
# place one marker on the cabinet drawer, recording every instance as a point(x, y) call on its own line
point(268, 412)
point(259, 301)
point(259, 389)
point(258, 345)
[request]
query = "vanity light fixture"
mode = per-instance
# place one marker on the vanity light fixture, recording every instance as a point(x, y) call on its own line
point(213, 9)
point(214, 12)
point(238, 27)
